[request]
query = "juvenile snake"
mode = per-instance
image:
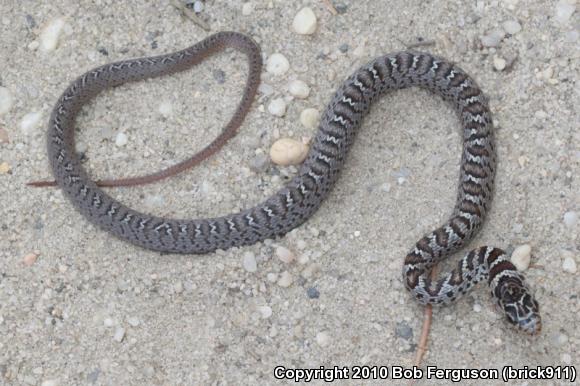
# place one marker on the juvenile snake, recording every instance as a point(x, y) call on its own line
point(301, 197)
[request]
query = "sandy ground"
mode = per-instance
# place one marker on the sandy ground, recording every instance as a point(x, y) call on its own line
point(93, 309)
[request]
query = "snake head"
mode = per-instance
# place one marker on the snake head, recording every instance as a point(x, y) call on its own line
point(519, 306)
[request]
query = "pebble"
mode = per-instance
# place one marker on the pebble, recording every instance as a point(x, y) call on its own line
point(304, 22)
point(133, 321)
point(521, 257)
point(277, 64)
point(313, 293)
point(277, 107)
point(285, 279)
point(566, 359)
point(285, 255)
point(309, 118)
point(403, 330)
point(249, 262)
point(259, 163)
point(299, 89)
point(4, 167)
point(121, 139)
point(4, 136)
point(165, 108)
point(564, 11)
point(247, 9)
point(30, 259)
point(272, 277)
point(476, 308)
point(119, 334)
point(571, 36)
point(569, 265)
point(50, 34)
point(323, 338)
point(499, 63)
point(265, 89)
point(493, 38)
point(6, 100)
point(30, 122)
point(570, 219)
point(265, 311)
point(512, 26)
point(288, 151)
point(198, 6)
point(50, 382)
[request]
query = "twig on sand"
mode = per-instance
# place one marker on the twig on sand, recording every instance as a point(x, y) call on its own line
point(421, 43)
point(427, 317)
point(330, 7)
point(190, 14)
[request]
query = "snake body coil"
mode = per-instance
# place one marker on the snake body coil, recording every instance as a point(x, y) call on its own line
point(302, 196)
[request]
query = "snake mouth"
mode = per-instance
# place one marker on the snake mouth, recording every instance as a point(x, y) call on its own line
point(531, 326)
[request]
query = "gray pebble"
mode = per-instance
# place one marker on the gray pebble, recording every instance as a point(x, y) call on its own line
point(219, 76)
point(343, 48)
point(313, 293)
point(403, 330)
point(260, 163)
point(493, 38)
point(341, 8)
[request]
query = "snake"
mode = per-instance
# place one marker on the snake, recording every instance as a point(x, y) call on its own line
point(300, 198)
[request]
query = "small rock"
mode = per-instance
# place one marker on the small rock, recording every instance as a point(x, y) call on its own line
point(265, 311)
point(133, 321)
point(247, 9)
point(178, 287)
point(541, 114)
point(265, 89)
point(219, 76)
point(287, 151)
point(249, 262)
point(571, 36)
point(566, 358)
point(403, 330)
point(499, 63)
point(121, 139)
point(4, 168)
point(259, 163)
point(272, 277)
point(343, 48)
point(4, 138)
point(6, 100)
point(277, 64)
point(119, 334)
point(285, 255)
point(313, 293)
point(299, 89)
point(564, 11)
point(277, 107)
point(570, 219)
point(521, 257)
point(512, 27)
point(165, 108)
point(30, 122)
point(285, 279)
point(323, 338)
point(476, 308)
point(493, 38)
point(50, 34)
point(569, 265)
point(304, 22)
point(50, 382)
point(341, 8)
point(197, 6)
point(309, 118)
point(30, 259)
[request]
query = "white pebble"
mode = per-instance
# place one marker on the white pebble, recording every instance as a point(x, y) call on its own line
point(309, 118)
point(165, 108)
point(272, 277)
point(287, 151)
point(285, 279)
point(50, 382)
point(265, 311)
point(285, 255)
point(323, 338)
point(249, 262)
point(277, 64)
point(499, 63)
point(566, 358)
point(512, 26)
point(570, 219)
point(277, 107)
point(121, 139)
point(108, 322)
point(197, 6)
point(119, 334)
point(247, 9)
point(50, 34)
point(521, 257)
point(493, 38)
point(476, 308)
point(304, 22)
point(299, 89)
point(265, 89)
point(569, 265)
point(133, 321)
point(6, 100)
point(564, 11)
point(30, 122)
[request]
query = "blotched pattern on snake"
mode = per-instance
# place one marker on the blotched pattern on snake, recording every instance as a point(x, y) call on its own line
point(301, 197)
